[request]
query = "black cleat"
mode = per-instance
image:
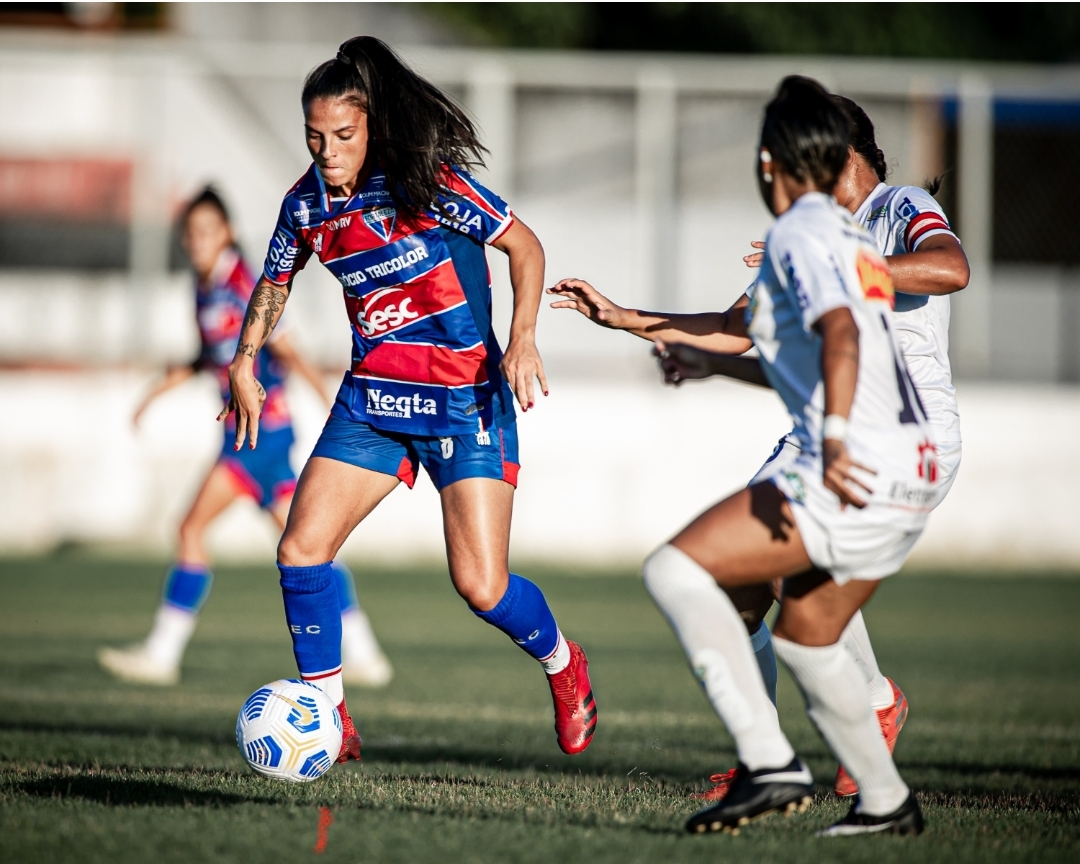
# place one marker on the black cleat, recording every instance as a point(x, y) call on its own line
point(905, 819)
point(754, 794)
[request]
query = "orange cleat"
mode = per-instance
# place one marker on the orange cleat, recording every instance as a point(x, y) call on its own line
point(723, 784)
point(575, 707)
point(892, 721)
point(350, 738)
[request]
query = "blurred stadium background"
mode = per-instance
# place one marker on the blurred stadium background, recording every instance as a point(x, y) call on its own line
point(632, 165)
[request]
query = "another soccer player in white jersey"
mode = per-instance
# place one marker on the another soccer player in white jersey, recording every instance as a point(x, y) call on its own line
point(833, 522)
point(927, 264)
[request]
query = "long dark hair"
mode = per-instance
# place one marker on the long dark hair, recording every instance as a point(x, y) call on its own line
point(806, 133)
point(415, 127)
point(209, 197)
point(862, 136)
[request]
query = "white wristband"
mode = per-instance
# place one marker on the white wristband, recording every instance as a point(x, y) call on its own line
point(835, 427)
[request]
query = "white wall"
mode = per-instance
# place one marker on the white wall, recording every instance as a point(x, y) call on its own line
point(610, 469)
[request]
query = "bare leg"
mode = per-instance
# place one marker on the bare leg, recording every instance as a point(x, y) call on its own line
point(331, 499)
point(476, 522)
point(217, 492)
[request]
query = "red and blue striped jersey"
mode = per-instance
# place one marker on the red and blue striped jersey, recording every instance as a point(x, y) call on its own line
point(220, 304)
point(425, 359)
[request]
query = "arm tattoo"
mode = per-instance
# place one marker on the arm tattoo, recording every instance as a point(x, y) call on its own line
point(265, 306)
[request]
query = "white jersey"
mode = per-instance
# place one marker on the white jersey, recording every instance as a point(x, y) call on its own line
point(817, 259)
point(899, 218)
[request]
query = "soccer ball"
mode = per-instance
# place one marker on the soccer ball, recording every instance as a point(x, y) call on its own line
point(290, 730)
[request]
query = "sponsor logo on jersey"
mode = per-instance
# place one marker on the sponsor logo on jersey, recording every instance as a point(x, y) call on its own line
point(335, 224)
point(381, 222)
point(918, 496)
point(282, 252)
point(874, 278)
point(798, 488)
point(302, 213)
point(386, 405)
point(463, 218)
point(316, 245)
point(928, 467)
point(397, 263)
point(351, 280)
point(907, 210)
point(880, 213)
point(377, 316)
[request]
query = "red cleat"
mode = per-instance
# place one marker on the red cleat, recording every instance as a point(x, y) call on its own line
point(892, 721)
point(350, 738)
point(723, 784)
point(575, 707)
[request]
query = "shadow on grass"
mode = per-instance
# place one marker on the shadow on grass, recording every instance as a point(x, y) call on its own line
point(187, 736)
point(131, 792)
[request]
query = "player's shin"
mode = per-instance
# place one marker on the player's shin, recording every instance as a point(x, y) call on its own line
point(839, 704)
point(524, 615)
point(313, 613)
point(856, 640)
point(761, 643)
point(716, 643)
point(186, 588)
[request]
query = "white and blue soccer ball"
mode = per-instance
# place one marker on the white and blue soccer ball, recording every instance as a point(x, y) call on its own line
point(289, 730)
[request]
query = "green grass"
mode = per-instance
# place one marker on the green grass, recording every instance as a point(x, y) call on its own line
point(460, 762)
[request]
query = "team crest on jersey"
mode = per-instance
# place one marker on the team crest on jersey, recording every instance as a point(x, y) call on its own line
point(381, 221)
point(874, 278)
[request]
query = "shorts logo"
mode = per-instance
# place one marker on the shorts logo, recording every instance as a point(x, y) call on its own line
point(798, 488)
point(928, 467)
point(381, 222)
point(387, 405)
point(874, 278)
point(390, 315)
point(447, 446)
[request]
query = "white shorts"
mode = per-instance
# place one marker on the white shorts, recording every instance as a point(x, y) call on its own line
point(868, 543)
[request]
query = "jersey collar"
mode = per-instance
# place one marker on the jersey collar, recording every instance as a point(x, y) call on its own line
point(868, 203)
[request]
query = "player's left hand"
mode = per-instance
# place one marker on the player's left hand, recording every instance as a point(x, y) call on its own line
point(680, 362)
point(754, 259)
point(520, 365)
point(246, 398)
point(837, 473)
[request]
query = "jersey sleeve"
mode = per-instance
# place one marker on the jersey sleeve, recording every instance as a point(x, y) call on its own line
point(287, 254)
point(475, 211)
point(816, 278)
point(920, 216)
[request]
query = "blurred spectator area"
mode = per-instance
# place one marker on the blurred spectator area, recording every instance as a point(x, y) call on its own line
point(634, 169)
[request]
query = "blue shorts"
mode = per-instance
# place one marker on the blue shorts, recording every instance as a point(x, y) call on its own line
point(491, 454)
point(263, 473)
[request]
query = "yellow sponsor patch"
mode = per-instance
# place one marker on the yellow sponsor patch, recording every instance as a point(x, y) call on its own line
point(874, 278)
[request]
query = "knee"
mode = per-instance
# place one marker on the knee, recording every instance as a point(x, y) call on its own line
point(481, 590)
point(295, 550)
point(190, 533)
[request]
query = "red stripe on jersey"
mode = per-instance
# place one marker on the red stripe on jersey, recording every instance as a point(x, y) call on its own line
point(425, 364)
point(458, 184)
point(381, 312)
point(922, 223)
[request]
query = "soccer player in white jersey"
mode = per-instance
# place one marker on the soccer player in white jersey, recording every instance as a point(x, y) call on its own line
point(832, 522)
point(927, 264)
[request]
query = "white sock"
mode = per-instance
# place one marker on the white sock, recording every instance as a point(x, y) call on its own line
point(558, 659)
point(358, 643)
point(170, 634)
point(715, 641)
point(837, 702)
point(331, 685)
point(856, 641)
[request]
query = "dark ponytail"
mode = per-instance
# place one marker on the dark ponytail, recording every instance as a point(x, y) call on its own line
point(209, 197)
point(862, 136)
point(806, 132)
point(414, 125)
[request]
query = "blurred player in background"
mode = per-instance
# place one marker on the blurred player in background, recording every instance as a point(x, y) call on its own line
point(389, 209)
point(926, 263)
point(824, 521)
point(223, 288)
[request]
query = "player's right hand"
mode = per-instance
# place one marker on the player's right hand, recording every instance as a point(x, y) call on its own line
point(246, 398)
point(681, 362)
point(754, 259)
point(837, 473)
point(580, 295)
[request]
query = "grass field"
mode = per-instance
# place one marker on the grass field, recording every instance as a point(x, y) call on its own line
point(460, 762)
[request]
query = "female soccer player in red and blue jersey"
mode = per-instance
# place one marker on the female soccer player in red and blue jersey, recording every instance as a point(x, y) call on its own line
point(390, 210)
point(223, 288)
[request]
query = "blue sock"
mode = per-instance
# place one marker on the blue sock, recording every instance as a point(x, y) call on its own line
point(346, 587)
point(761, 642)
point(313, 613)
point(187, 586)
point(524, 616)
